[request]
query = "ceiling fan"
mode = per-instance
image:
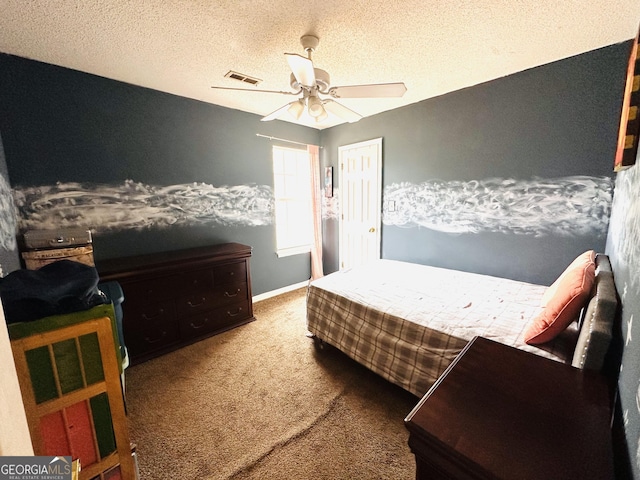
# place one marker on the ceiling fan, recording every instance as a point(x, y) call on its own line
point(313, 83)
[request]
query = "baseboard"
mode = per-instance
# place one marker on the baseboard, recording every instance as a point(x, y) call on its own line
point(279, 291)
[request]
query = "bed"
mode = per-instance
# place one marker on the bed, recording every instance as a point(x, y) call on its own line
point(407, 322)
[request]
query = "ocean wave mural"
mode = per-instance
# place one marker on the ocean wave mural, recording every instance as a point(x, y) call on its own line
point(8, 224)
point(624, 235)
point(134, 205)
point(575, 205)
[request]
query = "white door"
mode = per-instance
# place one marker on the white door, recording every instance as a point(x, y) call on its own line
point(360, 182)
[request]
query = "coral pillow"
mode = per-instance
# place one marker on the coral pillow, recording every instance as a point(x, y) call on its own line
point(568, 297)
point(579, 262)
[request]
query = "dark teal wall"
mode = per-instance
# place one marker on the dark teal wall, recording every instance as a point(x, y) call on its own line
point(623, 248)
point(541, 128)
point(145, 170)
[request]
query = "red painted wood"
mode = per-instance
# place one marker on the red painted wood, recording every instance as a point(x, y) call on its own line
point(54, 435)
point(80, 432)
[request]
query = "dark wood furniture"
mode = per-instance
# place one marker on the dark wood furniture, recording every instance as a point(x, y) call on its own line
point(175, 298)
point(502, 413)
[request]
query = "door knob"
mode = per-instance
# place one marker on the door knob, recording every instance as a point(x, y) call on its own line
point(372, 229)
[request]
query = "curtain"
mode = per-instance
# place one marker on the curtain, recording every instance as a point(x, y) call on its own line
point(316, 209)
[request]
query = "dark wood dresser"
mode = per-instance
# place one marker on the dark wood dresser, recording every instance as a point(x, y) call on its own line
point(502, 413)
point(175, 298)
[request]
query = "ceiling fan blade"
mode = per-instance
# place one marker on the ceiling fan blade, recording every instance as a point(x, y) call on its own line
point(254, 90)
point(341, 111)
point(277, 113)
point(369, 91)
point(302, 68)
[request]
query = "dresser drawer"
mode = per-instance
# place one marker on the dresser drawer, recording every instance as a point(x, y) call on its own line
point(198, 325)
point(214, 320)
point(151, 327)
point(233, 313)
point(231, 293)
point(150, 291)
point(196, 281)
point(190, 304)
point(187, 305)
point(230, 273)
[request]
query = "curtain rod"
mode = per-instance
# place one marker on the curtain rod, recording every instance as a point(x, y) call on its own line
point(284, 140)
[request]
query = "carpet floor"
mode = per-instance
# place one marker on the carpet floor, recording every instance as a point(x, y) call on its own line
point(260, 402)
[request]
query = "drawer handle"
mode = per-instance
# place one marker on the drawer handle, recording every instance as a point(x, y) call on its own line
point(156, 340)
point(227, 294)
point(235, 314)
point(195, 327)
point(147, 317)
point(196, 304)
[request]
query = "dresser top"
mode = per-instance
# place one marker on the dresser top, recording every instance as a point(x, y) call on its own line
point(121, 266)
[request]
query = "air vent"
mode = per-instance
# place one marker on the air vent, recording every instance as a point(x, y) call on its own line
point(242, 78)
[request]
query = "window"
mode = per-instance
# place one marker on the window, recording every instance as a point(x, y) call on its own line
point(292, 192)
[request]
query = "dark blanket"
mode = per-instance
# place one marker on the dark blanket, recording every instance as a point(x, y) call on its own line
point(59, 287)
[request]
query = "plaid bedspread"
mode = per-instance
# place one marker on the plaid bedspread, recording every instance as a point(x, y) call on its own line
point(407, 322)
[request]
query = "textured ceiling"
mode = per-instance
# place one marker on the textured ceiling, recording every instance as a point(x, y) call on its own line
point(185, 46)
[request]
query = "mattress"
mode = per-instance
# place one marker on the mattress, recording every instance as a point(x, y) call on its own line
point(407, 322)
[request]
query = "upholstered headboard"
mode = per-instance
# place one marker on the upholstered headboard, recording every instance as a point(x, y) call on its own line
point(597, 319)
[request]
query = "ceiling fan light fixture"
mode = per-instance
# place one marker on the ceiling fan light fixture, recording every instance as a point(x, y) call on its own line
point(296, 109)
point(322, 117)
point(315, 106)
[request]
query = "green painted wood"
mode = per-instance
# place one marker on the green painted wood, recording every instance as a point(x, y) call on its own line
point(102, 423)
point(68, 366)
point(41, 372)
point(91, 360)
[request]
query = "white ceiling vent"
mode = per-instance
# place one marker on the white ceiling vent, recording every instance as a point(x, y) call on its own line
point(242, 78)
